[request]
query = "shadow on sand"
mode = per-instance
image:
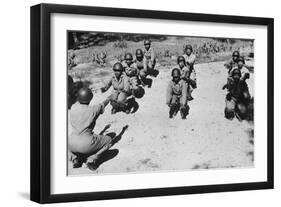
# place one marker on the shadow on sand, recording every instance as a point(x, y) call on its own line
point(111, 153)
point(107, 155)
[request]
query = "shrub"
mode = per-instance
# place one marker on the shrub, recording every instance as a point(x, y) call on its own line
point(120, 44)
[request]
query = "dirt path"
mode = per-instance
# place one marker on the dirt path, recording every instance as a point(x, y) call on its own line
point(154, 142)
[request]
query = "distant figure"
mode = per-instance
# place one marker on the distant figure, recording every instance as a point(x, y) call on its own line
point(83, 142)
point(233, 62)
point(240, 64)
point(167, 53)
point(188, 75)
point(149, 58)
point(100, 58)
point(238, 96)
point(142, 68)
point(245, 74)
point(121, 88)
point(72, 61)
point(189, 57)
point(132, 72)
point(177, 95)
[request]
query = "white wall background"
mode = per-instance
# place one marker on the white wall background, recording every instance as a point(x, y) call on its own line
point(14, 105)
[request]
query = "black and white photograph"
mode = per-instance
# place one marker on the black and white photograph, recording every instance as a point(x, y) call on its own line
point(133, 103)
point(140, 103)
point(143, 103)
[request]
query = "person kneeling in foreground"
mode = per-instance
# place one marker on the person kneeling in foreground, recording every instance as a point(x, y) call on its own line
point(83, 143)
point(177, 95)
point(238, 97)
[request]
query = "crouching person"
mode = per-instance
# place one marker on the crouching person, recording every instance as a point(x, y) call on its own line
point(245, 74)
point(233, 61)
point(238, 97)
point(188, 75)
point(190, 58)
point(177, 95)
point(121, 88)
point(83, 143)
point(131, 71)
point(150, 59)
point(142, 68)
point(136, 89)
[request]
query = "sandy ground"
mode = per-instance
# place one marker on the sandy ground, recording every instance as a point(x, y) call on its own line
point(153, 142)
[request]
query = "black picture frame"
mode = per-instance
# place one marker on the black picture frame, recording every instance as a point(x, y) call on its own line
point(41, 99)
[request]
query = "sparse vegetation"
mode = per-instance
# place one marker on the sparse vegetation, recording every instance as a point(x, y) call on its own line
point(206, 49)
point(120, 44)
point(192, 140)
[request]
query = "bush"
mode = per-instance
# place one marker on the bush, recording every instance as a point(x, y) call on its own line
point(167, 53)
point(119, 57)
point(120, 44)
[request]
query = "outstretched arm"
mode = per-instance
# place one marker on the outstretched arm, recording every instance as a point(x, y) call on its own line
point(107, 100)
point(99, 108)
point(106, 86)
